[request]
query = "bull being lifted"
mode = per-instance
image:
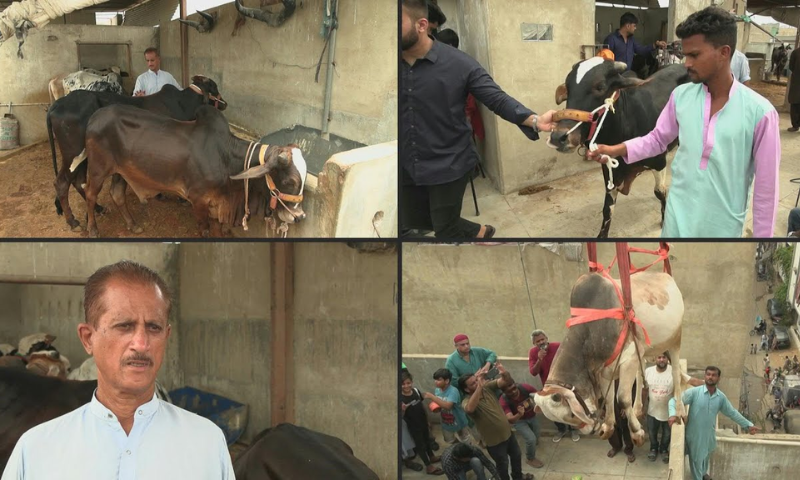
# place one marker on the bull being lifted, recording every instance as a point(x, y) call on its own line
point(580, 386)
point(637, 105)
point(195, 160)
point(68, 116)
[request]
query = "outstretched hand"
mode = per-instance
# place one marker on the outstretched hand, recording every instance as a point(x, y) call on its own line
point(545, 122)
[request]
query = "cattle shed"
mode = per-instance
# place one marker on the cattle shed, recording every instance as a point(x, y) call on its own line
point(529, 47)
point(499, 294)
point(302, 333)
point(331, 91)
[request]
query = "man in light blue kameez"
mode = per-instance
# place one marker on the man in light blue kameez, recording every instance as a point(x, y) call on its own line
point(705, 403)
point(467, 359)
point(729, 140)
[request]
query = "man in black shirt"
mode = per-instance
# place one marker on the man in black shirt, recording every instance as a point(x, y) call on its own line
point(463, 457)
point(436, 153)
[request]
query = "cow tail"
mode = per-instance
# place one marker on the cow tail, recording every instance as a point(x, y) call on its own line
point(59, 210)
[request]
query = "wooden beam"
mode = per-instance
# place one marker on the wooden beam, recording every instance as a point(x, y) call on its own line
point(184, 47)
point(282, 333)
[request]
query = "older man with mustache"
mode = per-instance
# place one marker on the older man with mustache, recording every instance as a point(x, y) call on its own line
point(125, 432)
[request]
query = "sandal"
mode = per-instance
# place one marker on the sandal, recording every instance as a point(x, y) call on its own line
point(612, 453)
point(631, 457)
point(435, 471)
point(413, 465)
point(665, 457)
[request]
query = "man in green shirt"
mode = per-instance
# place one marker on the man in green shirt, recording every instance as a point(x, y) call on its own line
point(469, 360)
point(481, 404)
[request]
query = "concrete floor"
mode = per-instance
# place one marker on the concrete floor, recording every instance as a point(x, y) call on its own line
point(565, 459)
point(572, 206)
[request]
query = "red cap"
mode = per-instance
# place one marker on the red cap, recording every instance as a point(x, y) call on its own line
point(460, 337)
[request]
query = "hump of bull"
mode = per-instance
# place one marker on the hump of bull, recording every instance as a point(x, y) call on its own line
point(289, 452)
point(27, 400)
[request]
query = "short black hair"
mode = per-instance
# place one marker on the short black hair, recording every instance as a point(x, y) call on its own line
point(416, 8)
point(712, 367)
point(462, 381)
point(449, 37)
point(443, 373)
point(462, 450)
point(627, 18)
point(405, 376)
point(715, 24)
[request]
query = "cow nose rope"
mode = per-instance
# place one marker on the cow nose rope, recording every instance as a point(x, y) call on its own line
point(251, 149)
point(610, 163)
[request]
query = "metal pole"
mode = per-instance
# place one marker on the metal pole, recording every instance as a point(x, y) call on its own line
point(329, 73)
point(184, 47)
point(41, 280)
point(12, 104)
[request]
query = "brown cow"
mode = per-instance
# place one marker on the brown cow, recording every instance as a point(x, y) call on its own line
point(195, 160)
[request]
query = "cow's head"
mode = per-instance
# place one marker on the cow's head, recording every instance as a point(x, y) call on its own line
point(587, 86)
point(561, 404)
point(285, 170)
point(210, 90)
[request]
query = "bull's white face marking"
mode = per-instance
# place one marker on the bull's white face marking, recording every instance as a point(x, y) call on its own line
point(300, 163)
point(587, 65)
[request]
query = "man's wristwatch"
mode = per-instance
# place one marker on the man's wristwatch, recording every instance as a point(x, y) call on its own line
point(536, 122)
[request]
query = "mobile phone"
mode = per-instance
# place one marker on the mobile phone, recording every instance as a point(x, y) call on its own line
point(492, 373)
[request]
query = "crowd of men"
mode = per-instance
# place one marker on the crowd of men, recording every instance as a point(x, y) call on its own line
point(482, 407)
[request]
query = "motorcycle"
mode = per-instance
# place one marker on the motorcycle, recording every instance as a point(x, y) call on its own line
point(760, 328)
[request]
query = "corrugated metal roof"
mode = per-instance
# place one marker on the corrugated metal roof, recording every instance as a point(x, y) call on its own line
point(150, 13)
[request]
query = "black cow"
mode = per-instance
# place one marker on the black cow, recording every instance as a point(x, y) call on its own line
point(637, 109)
point(68, 116)
point(26, 400)
point(289, 452)
point(195, 160)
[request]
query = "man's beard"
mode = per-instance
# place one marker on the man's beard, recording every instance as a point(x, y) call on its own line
point(711, 383)
point(409, 40)
point(661, 366)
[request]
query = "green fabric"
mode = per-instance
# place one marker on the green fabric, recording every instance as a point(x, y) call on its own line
point(701, 436)
point(477, 359)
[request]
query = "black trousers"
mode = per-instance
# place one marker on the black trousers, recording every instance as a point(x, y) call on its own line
point(794, 220)
point(422, 447)
point(794, 113)
point(502, 452)
point(437, 208)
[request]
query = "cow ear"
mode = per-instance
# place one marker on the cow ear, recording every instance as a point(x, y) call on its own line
point(561, 94)
point(625, 82)
point(253, 172)
point(284, 158)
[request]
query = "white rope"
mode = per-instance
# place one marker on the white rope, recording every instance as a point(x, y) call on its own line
point(610, 162)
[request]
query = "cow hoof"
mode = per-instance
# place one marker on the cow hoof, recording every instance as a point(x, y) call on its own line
point(94, 233)
point(638, 438)
point(100, 210)
point(606, 431)
point(73, 224)
point(136, 229)
point(76, 228)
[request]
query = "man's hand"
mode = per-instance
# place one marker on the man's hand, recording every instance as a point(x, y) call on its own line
point(610, 150)
point(139, 93)
point(500, 369)
point(521, 409)
point(428, 395)
point(661, 44)
point(542, 354)
point(403, 407)
point(752, 430)
point(671, 421)
point(545, 122)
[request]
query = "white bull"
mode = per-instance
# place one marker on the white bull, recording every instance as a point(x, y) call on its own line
point(579, 376)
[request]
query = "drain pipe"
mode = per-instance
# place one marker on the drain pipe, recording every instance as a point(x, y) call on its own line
point(333, 24)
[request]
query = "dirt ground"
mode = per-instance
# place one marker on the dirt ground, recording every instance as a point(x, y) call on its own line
point(775, 93)
point(27, 206)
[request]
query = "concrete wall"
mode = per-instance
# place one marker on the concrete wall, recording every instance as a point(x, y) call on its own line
point(499, 294)
point(225, 323)
point(346, 349)
point(59, 309)
point(267, 74)
point(529, 72)
point(765, 459)
point(679, 10)
point(50, 51)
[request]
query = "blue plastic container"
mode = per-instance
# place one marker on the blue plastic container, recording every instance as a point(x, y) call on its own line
point(227, 414)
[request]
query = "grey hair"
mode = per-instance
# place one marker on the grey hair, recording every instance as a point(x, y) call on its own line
point(536, 333)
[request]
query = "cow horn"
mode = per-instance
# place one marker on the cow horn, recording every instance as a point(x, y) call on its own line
point(253, 172)
point(283, 158)
point(271, 19)
point(190, 23)
point(620, 67)
point(561, 94)
point(209, 18)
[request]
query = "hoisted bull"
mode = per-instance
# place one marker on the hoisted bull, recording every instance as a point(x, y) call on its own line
point(636, 104)
point(195, 160)
point(580, 388)
point(270, 18)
